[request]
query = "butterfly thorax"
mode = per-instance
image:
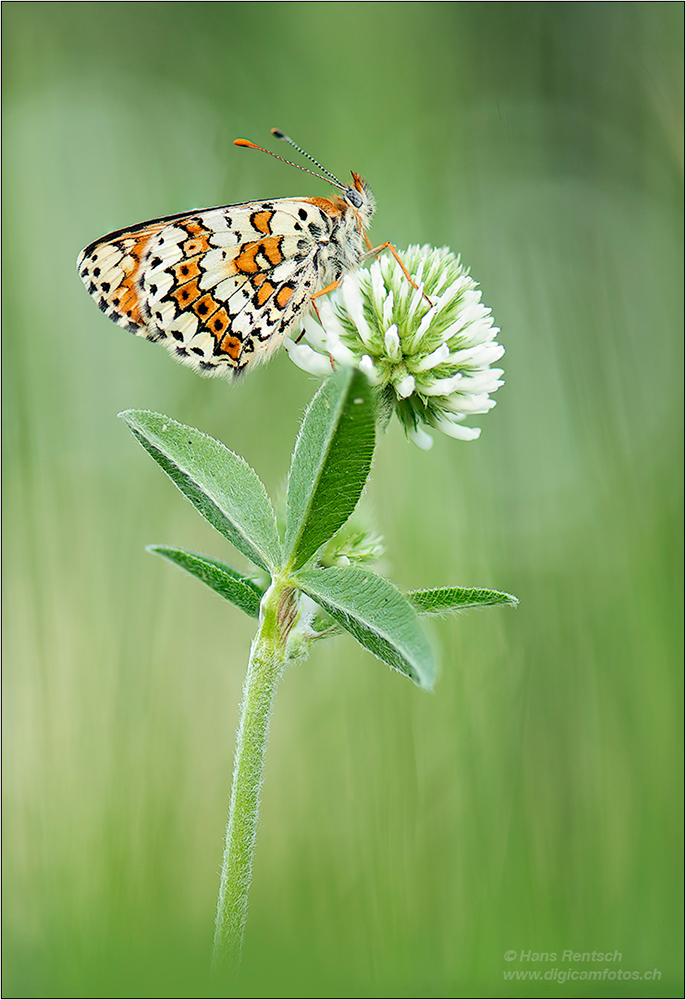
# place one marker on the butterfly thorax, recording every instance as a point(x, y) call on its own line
point(340, 231)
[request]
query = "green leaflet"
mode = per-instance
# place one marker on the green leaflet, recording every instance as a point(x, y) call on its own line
point(220, 484)
point(331, 462)
point(442, 600)
point(223, 579)
point(377, 614)
point(328, 473)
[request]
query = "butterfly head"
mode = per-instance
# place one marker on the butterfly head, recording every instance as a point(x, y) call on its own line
point(359, 196)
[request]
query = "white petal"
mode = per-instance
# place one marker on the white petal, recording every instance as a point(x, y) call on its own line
point(414, 301)
point(482, 381)
point(388, 308)
point(392, 342)
point(481, 355)
point(491, 352)
point(307, 359)
point(468, 403)
point(443, 386)
point(367, 366)
point(405, 387)
point(442, 278)
point(330, 320)
point(315, 333)
point(457, 288)
point(378, 287)
point(353, 303)
point(480, 331)
point(341, 353)
point(432, 360)
point(454, 328)
point(328, 343)
point(421, 438)
point(427, 320)
point(457, 431)
point(474, 325)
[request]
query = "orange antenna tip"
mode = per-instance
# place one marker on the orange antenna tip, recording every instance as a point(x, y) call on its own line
point(246, 142)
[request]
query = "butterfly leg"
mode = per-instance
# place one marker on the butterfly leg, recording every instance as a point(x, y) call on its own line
point(324, 291)
point(375, 251)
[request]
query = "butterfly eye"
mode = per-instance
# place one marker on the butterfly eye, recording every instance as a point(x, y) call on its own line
point(354, 197)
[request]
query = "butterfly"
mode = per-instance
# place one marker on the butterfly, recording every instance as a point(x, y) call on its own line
point(222, 288)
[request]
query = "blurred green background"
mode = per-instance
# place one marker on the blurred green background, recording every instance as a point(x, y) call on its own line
point(408, 840)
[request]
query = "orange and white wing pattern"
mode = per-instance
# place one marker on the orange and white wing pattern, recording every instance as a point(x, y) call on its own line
point(221, 287)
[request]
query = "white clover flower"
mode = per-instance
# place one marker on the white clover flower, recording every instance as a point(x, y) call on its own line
point(432, 363)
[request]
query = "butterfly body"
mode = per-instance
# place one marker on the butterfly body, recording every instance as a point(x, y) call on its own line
point(223, 287)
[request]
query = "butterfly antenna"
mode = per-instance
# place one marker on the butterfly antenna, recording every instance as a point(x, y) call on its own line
point(278, 134)
point(252, 145)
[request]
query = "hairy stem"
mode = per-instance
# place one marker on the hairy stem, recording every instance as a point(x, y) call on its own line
point(267, 661)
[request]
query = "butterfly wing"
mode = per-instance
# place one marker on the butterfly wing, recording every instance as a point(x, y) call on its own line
point(220, 287)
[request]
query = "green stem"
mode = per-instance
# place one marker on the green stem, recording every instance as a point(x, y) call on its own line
point(266, 665)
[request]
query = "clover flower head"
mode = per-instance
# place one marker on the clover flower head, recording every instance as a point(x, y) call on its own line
point(431, 362)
